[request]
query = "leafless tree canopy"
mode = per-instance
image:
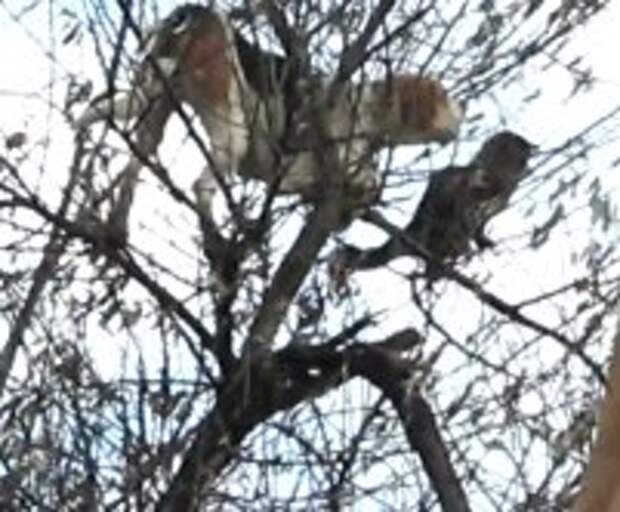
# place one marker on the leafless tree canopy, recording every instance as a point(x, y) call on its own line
point(214, 363)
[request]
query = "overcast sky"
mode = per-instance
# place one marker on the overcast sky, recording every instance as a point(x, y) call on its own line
point(28, 103)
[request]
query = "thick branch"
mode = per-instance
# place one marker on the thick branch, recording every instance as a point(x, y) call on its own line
point(302, 373)
point(424, 438)
point(324, 218)
point(383, 368)
point(292, 271)
point(252, 395)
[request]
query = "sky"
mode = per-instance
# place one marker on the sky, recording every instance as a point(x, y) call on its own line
point(27, 102)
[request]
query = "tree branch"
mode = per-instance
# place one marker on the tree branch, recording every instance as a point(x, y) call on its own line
point(252, 395)
point(292, 271)
point(44, 272)
point(387, 371)
point(354, 54)
point(512, 312)
point(97, 238)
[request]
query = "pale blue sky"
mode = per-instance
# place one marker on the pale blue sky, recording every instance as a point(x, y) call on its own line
point(27, 103)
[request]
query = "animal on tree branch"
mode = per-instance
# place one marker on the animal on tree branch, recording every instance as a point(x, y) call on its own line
point(252, 108)
point(458, 203)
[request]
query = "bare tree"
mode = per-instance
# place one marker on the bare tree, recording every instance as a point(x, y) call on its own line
point(209, 363)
